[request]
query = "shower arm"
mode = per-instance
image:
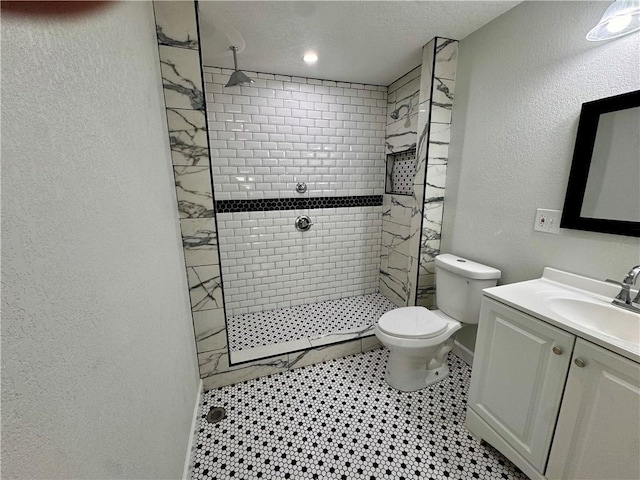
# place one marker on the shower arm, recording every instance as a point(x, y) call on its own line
point(396, 113)
point(235, 59)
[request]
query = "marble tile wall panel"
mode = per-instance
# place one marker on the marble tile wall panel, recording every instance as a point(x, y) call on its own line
point(218, 372)
point(210, 330)
point(400, 135)
point(181, 78)
point(397, 209)
point(176, 24)
point(396, 237)
point(403, 96)
point(404, 79)
point(418, 198)
point(439, 138)
point(341, 336)
point(442, 93)
point(188, 137)
point(446, 58)
point(388, 181)
point(199, 241)
point(394, 277)
point(266, 351)
point(426, 75)
point(323, 353)
point(193, 191)
point(205, 287)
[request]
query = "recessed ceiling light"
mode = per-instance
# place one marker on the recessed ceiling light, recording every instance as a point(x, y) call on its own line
point(310, 57)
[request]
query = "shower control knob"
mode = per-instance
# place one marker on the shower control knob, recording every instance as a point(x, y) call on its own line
point(301, 187)
point(303, 223)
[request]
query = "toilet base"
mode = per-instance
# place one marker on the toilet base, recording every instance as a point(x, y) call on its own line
point(437, 375)
point(413, 383)
point(409, 373)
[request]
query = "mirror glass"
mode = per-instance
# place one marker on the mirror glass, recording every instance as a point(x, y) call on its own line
point(603, 193)
point(613, 184)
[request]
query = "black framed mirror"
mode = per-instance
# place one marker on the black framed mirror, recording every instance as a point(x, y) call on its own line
point(603, 192)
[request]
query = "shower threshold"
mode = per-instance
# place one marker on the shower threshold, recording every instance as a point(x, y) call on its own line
point(273, 332)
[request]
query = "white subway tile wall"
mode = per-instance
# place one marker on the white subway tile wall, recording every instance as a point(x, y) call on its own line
point(264, 139)
point(267, 137)
point(268, 264)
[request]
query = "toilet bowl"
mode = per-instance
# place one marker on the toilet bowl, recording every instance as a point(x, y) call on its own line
point(419, 339)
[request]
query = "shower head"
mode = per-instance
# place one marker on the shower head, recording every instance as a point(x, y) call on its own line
point(237, 77)
point(396, 113)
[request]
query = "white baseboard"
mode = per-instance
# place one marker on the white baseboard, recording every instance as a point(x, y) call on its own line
point(186, 474)
point(463, 352)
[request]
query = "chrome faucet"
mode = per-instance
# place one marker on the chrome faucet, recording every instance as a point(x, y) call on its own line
point(623, 299)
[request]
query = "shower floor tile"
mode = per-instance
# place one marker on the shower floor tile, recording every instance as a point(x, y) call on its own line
point(311, 320)
point(340, 420)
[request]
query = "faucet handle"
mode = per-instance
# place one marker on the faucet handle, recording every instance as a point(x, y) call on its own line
point(632, 276)
point(625, 292)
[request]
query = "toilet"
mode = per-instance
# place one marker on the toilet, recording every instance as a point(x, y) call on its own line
point(419, 339)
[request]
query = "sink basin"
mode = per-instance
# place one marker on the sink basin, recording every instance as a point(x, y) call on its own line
point(605, 318)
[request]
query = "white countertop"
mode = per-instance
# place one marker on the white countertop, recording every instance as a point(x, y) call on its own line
point(529, 296)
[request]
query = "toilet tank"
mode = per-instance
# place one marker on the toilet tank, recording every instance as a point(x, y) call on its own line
point(459, 284)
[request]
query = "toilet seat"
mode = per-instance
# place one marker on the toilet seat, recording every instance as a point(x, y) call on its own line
point(412, 322)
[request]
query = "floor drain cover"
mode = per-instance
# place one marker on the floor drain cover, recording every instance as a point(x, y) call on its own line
point(216, 414)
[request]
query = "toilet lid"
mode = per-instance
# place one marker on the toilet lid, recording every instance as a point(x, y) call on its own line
point(412, 322)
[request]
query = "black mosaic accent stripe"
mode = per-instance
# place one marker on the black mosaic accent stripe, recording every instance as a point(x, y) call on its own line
point(295, 203)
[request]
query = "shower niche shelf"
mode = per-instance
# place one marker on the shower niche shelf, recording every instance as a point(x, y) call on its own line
point(401, 171)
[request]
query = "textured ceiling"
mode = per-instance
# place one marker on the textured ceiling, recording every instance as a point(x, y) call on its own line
point(365, 41)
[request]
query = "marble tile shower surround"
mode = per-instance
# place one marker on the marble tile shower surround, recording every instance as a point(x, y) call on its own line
point(401, 136)
point(182, 77)
point(179, 56)
point(412, 227)
point(436, 155)
point(185, 101)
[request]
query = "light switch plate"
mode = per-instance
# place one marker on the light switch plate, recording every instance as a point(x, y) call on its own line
point(547, 221)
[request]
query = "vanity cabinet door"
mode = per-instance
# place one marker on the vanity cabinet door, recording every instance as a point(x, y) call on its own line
point(598, 432)
point(517, 379)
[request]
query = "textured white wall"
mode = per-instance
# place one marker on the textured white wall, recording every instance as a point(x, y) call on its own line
point(99, 371)
point(521, 82)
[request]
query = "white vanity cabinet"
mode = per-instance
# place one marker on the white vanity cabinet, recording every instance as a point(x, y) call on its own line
point(517, 380)
point(556, 411)
point(598, 431)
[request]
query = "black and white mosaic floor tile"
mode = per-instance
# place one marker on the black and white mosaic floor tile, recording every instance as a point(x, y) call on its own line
point(340, 420)
point(305, 321)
